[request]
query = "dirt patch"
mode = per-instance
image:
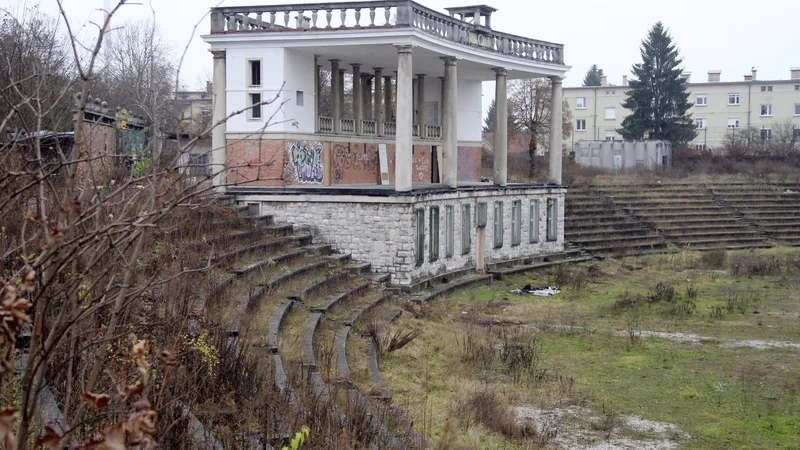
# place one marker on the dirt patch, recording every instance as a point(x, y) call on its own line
point(581, 429)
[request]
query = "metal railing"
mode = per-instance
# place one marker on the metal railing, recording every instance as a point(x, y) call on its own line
point(371, 14)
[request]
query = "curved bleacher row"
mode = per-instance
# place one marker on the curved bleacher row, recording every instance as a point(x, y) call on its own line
point(312, 311)
point(637, 219)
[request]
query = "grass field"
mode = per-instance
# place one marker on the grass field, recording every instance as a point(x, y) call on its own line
point(689, 350)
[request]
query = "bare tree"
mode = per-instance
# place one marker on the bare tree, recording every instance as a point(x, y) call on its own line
point(529, 102)
point(784, 142)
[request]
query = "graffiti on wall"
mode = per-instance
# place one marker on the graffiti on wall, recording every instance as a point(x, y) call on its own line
point(345, 160)
point(306, 160)
point(468, 159)
point(421, 164)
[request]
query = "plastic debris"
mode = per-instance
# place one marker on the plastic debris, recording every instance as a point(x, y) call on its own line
point(541, 291)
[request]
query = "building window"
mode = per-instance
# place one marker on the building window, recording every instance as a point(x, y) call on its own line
point(498, 224)
point(766, 110)
point(254, 111)
point(702, 100)
point(434, 230)
point(610, 135)
point(516, 222)
point(466, 230)
point(733, 122)
point(299, 97)
point(254, 72)
point(766, 134)
point(733, 99)
point(797, 87)
point(552, 220)
point(611, 92)
point(449, 231)
point(580, 103)
point(766, 88)
point(533, 222)
point(699, 145)
point(796, 133)
point(419, 236)
point(611, 113)
point(580, 125)
point(700, 123)
point(797, 109)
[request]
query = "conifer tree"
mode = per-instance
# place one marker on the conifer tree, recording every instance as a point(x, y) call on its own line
point(658, 98)
point(594, 76)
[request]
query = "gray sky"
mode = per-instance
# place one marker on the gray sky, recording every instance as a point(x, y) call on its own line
point(729, 35)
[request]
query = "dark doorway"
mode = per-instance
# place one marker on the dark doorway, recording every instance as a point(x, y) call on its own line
point(434, 165)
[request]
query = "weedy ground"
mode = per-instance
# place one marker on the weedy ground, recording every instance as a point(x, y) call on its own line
point(706, 346)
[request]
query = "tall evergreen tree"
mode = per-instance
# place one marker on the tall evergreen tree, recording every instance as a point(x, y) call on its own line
point(658, 98)
point(488, 121)
point(594, 76)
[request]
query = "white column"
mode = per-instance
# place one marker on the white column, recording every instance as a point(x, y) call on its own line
point(317, 95)
point(421, 104)
point(501, 128)
point(357, 102)
point(218, 140)
point(405, 117)
point(335, 106)
point(555, 132)
point(378, 99)
point(449, 123)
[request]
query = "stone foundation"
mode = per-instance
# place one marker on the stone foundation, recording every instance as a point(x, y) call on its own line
point(379, 227)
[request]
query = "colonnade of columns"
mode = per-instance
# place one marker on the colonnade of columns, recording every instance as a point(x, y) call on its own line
point(377, 107)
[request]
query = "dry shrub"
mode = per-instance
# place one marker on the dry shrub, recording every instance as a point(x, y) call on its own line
point(755, 265)
point(485, 406)
point(714, 259)
point(388, 339)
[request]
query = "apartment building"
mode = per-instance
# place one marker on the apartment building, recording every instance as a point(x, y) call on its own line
point(720, 107)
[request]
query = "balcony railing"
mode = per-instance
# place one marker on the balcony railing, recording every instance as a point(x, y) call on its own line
point(371, 14)
point(433, 131)
point(348, 126)
point(325, 124)
point(389, 129)
point(368, 127)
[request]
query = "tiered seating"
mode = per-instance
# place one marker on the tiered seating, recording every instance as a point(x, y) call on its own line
point(596, 225)
point(685, 215)
point(773, 208)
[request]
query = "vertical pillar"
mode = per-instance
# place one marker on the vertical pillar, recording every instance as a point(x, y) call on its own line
point(405, 116)
point(317, 92)
point(421, 104)
point(414, 98)
point(357, 101)
point(501, 128)
point(387, 101)
point(449, 122)
point(555, 132)
point(218, 140)
point(341, 92)
point(335, 106)
point(378, 99)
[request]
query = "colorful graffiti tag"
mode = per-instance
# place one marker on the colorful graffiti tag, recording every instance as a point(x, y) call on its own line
point(468, 160)
point(349, 163)
point(306, 160)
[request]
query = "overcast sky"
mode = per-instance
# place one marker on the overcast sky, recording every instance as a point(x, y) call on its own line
point(729, 35)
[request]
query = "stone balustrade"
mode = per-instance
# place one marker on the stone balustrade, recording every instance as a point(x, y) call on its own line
point(348, 126)
point(389, 128)
point(325, 124)
point(433, 131)
point(368, 127)
point(372, 14)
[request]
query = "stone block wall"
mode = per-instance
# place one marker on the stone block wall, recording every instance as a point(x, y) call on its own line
point(382, 230)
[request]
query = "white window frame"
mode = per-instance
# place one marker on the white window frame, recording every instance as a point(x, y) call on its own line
point(797, 109)
point(734, 96)
point(768, 134)
point(299, 98)
point(610, 136)
point(704, 98)
point(516, 222)
point(466, 229)
point(701, 123)
point(768, 108)
point(796, 132)
point(552, 219)
point(613, 110)
point(498, 224)
point(449, 231)
point(249, 72)
point(578, 123)
point(251, 116)
point(735, 125)
point(434, 229)
point(580, 103)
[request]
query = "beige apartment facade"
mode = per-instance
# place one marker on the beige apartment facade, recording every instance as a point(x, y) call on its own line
point(720, 108)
